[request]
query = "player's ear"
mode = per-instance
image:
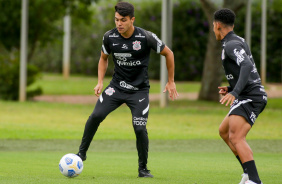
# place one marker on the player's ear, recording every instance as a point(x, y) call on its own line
point(132, 19)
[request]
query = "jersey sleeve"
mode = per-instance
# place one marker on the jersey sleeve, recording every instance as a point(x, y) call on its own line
point(236, 52)
point(154, 42)
point(105, 45)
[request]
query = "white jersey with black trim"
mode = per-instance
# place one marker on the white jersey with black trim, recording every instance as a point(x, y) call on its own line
point(131, 57)
point(240, 68)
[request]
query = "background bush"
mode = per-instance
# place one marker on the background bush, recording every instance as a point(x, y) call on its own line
point(9, 78)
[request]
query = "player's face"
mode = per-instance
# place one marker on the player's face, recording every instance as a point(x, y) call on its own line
point(123, 24)
point(216, 30)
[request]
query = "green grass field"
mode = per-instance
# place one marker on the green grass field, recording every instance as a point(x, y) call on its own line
point(55, 84)
point(184, 143)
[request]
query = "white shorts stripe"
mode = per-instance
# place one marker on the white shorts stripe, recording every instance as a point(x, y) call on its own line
point(145, 110)
point(237, 105)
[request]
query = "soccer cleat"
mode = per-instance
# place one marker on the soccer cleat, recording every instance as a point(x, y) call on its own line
point(251, 182)
point(82, 156)
point(245, 177)
point(145, 173)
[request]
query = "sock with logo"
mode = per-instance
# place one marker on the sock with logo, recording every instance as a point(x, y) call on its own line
point(252, 171)
point(244, 169)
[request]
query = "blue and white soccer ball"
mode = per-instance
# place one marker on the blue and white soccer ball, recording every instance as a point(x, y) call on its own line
point(71, 165)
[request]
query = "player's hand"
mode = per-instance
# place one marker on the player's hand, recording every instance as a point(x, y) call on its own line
point(223, 90)
point(171, 88)
point(228, 99)
point(98, 89)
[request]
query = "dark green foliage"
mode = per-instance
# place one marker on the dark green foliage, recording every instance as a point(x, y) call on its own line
point(89, 23)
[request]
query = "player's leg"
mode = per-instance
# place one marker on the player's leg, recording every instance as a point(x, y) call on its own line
point(108, 101)
point(224, 134)
point(238, 130)
point(139, 106)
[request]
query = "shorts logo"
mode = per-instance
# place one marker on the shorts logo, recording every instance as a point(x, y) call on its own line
point(110, 91)
point(253, 117)
point(136, 45)
point(140, 121)
point(229, 77)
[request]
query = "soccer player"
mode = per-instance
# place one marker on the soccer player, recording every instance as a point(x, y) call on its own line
point(130, 47)
point(245, 94)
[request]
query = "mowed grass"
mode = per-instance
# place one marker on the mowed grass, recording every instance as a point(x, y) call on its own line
point(184, 143)
point(181, 120)
point(115, 161)
point(55, 84)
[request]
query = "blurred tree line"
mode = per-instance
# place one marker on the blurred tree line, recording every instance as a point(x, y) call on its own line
point(91, 19)
point(190, 33)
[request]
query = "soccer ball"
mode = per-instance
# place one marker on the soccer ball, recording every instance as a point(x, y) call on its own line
point(71, 165)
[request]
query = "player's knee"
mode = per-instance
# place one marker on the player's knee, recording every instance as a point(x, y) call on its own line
point(223, 133)
point(97, 116)
point(140, 129)
point(233, 138)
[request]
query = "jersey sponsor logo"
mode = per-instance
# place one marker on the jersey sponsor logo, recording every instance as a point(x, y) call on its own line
point(124, 46)
point(139, 36)
point(229, 76)
point(253, 117)
point(239, 55)
point(122, 54)
point(114, 35)
point(110, 91)
point(127, 86)
point(122, 57)
point(136, 45)
point(129, 63)
point(139, 121)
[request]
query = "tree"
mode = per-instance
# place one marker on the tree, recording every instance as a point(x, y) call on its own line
point(212, 73)
point(43, 15)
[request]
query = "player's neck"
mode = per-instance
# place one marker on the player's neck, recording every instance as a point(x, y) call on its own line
point(128, 33)
point(224, 32)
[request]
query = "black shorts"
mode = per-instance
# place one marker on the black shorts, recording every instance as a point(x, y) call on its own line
point(137, 101)
point(248, 108)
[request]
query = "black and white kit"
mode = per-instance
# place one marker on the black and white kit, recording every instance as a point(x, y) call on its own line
point(129, 85)
point(243, 78)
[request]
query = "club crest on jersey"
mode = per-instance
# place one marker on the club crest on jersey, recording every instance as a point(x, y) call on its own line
point(136, 45)
point(110, 91)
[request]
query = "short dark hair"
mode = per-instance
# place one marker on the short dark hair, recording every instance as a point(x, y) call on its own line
point(125, 9)
point(226, 16)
